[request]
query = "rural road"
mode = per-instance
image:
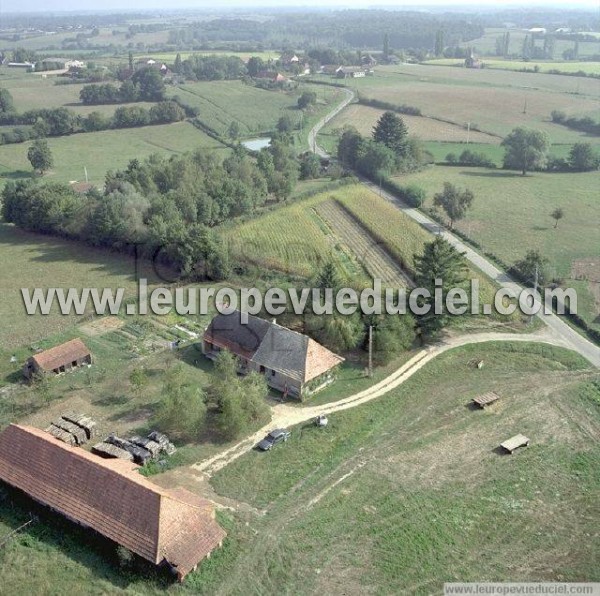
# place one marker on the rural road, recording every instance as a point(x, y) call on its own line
point(567, 335)
point(314, 131)
point(556, 333)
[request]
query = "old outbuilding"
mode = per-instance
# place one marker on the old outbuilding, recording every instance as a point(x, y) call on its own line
point(58, 359)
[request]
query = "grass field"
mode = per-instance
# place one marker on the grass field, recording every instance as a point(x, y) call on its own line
point(31, 261)
point(256, 110)
point(493, 101)
point(408, 492)
point(364, 118)
point(516, 65)
point(511, 214)
point(105, 150)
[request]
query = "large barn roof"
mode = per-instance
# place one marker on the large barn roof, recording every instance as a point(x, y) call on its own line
point(109, 496)
point(272, 346)
point(60, 355)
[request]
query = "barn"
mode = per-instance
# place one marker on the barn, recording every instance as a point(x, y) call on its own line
point(291, 362)
point(172, 528)
point(58, 359)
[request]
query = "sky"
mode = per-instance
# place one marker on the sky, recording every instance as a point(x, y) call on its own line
point(142, 5)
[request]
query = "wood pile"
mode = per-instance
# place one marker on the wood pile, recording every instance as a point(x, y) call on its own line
point(73, 429)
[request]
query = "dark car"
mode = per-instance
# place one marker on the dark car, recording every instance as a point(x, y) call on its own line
point(275, 436)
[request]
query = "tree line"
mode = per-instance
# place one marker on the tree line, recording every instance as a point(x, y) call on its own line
point(57, 122)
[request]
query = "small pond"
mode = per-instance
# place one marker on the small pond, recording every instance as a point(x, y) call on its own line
point(257, 144)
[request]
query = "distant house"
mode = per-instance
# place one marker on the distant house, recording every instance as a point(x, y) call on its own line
point(58, 359)
point(27, 65)
point(368, 60)
point(271, 75)
point(170, 528)
point(330, 69)
point(472, 62)
point(290, 361)
point(151, 63)
point(289, 59)
point(352, 72)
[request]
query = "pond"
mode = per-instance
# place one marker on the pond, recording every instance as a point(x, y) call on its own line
point(257, 144)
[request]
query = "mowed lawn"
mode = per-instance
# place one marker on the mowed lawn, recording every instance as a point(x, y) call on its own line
point(511, 214)
point(493, 101)
point(106, 150)
point(36, 261)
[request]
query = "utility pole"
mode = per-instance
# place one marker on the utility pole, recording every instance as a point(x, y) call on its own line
point(370, 351)
point(535, 289)
point(468, 132)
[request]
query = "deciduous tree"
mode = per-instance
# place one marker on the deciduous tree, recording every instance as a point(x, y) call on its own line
point(525, 150)
point(454, 202)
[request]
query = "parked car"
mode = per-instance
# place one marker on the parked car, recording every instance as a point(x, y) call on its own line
point(278, 435)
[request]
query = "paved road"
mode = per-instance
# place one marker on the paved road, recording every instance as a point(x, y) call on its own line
point(314, 131)
point(563, 333)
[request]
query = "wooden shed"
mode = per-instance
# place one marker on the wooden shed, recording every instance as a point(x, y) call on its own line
point(58, 359)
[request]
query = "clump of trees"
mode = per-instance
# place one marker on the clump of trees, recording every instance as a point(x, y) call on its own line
point(212, 68)
point(307, 100)
point(525, 150)
point(165, 206)
point(182, 408)
point(470, 159)
point(583, 124)
point(56, 122)
point(145, 84)
point(390, 149)
point(533, 266)
point(239, 401)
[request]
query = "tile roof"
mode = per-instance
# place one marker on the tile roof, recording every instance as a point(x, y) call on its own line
point(60, 355)
point(270, 345)
point(109, 496)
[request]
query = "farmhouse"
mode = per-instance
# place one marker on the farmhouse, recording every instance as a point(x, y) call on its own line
point(58, 359)
point(289, 59)
point(472, 62)
point(352, 72)
point(290, 361)
point(172, 528)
